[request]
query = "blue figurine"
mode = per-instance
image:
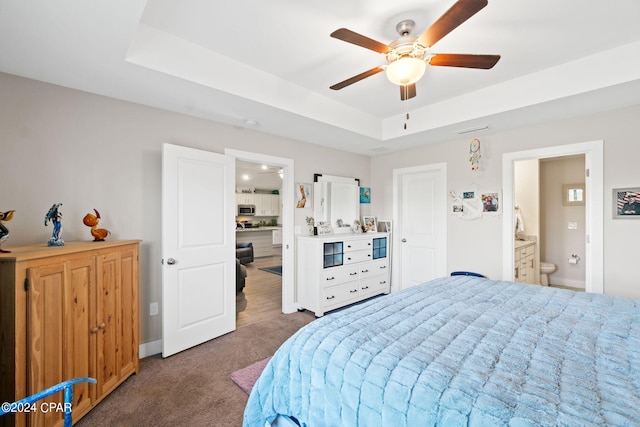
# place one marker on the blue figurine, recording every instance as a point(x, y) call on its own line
point(4, 231)
point(55, 216)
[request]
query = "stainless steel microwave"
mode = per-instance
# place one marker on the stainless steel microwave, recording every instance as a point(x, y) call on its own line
point(246, 210)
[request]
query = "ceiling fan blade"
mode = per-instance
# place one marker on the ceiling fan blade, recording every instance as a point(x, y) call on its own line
point(357, 78)
point(452, 18)
point(360, 40)
point(463, 60)
point(407, 92)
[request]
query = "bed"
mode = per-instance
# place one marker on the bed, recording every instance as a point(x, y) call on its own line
point(460, 351)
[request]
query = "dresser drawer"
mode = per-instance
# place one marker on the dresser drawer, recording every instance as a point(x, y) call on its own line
point(358, 245)
point(339, 294)
point(374, 285)
point(374, 267)
point(337, 275)
point(357, 256)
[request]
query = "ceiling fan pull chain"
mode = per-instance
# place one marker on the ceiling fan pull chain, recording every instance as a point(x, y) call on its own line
point(406, 104)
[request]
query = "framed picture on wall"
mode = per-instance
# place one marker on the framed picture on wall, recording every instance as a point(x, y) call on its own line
point(626, 203)
point(365, 195)
point(304, 196)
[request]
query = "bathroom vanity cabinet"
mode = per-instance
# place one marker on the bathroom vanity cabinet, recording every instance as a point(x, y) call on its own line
point(525, 261)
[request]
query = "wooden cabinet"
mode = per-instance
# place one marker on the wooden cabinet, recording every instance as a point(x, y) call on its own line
point(338, 270)
point(67, 312)
point(525, 263)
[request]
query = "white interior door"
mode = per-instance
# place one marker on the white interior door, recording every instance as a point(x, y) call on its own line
point(198, 271)
point(420, 216)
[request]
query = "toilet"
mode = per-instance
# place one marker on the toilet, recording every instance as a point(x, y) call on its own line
point(546, 268)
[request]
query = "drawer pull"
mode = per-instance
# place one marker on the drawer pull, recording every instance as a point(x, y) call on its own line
point(365, 271)
point(331, 278)
point(353, 291)
point(365, 287)
point(353, 274)
point(383, 282)
point(383, 266)
point(349, 258)
point(331, 297)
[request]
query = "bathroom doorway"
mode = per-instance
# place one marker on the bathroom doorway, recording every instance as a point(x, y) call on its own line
point(552, 220)
point(592, 235)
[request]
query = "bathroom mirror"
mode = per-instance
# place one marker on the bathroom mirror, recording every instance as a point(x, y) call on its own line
point(573, 194)
point(336, 201)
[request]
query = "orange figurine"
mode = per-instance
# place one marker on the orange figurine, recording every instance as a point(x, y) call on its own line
point(91, 220)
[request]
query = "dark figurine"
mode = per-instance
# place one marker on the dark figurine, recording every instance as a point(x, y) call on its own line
point(4, 231)
point(55, 216)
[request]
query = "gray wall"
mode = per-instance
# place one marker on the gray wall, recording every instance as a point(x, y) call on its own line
point(87, 151)
point(477, 245)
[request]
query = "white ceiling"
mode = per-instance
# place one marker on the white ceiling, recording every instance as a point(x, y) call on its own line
point(272, 62)
point(258, 176)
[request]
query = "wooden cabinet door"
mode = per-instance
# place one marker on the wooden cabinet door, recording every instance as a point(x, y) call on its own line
point(45, 346)
point(108, 322)
point(80, 331)
point(129, 311)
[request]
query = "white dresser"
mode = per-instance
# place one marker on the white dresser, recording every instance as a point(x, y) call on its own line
point(340, 269)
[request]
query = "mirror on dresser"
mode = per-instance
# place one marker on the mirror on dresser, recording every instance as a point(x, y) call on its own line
point(336, 201)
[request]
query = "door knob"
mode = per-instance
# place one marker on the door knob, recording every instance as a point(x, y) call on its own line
point(404, 240)
point(171, 261)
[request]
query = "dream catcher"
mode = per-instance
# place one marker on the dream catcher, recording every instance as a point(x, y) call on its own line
point(474, 154)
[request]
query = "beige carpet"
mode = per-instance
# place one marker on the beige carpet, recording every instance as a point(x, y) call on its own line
point(194, 387)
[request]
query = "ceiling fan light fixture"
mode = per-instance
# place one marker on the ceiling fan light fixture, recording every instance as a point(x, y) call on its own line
point(406, 70)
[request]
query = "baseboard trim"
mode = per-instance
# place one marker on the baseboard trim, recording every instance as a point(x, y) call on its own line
point(567, 282)
point(150, 348)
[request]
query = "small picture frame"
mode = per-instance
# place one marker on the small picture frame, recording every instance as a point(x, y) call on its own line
point(384, 226)
point(491, 202)
point(324, 228)
point(626, 203)
point(369, 224)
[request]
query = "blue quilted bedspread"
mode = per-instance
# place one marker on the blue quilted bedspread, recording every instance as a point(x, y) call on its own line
point(460, 351)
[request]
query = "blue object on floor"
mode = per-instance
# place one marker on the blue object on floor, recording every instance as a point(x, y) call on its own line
point(467, 273)
point(67, 386)
point(275, 270)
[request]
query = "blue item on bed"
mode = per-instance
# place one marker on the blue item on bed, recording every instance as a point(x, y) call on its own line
point(460, 351)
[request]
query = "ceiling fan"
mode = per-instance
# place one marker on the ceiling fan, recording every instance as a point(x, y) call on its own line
point(408, 56)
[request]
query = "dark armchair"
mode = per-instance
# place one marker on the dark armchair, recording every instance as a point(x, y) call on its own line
point(241, 274)
point(244, 252)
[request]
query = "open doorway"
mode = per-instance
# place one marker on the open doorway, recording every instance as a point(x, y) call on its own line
point(550, 229)
point(594, 222)
point(285, 223)
point(258, 242)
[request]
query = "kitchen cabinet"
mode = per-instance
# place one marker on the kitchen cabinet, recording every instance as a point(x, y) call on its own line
point(276, 236)
point(67, 312)
point(266, 204)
